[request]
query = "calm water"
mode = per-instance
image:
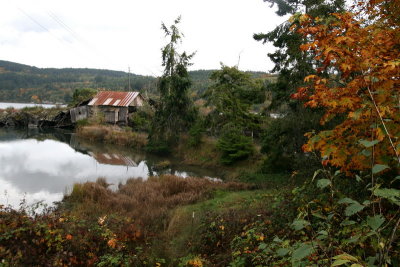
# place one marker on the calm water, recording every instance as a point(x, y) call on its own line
point(42, 166)
point(4, 105)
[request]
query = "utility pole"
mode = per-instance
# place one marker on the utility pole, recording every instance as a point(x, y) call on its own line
point(129, 78)
point(239, 59)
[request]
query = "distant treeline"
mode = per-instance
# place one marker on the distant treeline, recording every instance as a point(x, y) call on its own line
point(23, 83)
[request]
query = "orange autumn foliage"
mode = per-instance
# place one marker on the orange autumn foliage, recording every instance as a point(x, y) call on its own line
point(357, 56)
point(112, 243)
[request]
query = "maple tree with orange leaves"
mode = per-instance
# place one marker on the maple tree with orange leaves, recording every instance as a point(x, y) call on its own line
point(357, 56)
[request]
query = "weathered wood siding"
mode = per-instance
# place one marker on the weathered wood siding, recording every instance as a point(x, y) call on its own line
point(79, 113)
point(111, 116)
point(123, 115)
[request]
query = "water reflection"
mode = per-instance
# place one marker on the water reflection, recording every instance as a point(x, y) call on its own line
point(48, 168)
point(43, 165)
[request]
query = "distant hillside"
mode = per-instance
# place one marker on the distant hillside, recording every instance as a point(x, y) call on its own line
point(23, 83)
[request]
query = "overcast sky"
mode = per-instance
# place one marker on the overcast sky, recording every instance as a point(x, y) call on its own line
point(121, 33)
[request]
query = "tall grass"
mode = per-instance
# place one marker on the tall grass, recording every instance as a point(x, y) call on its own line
point(113, 135)
point(148, 201)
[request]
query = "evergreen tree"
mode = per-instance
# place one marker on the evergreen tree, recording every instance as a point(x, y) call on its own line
point(292, 65)
point(175, 111)
point(233, 144)
point(231, 95)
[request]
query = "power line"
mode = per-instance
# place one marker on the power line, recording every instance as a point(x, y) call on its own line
point(62, 24)
point(49, 32)
point(77, 37)
point(40, 25)
point(83, 40)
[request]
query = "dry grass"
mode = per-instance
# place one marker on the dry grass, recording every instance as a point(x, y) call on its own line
point(113, 135)
point(148, 202)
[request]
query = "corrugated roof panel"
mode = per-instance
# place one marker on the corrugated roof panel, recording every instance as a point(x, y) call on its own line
point(91, 103)
point(108, 101)
point(121, 99)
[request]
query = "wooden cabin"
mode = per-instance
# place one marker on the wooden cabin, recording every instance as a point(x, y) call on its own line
point(116, 106)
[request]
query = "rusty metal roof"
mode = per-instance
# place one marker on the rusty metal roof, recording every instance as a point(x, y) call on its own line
point(111, 98)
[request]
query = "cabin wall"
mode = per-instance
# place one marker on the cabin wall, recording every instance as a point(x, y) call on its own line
point(111, 116)
point(115, 114)
point(79, 113)
point(138, 101)
point(123, 115)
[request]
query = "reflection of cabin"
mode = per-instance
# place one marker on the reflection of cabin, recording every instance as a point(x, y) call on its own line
point(116, 106)
point(113, 159)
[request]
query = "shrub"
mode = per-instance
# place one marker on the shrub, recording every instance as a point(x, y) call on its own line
point(82, 94)
point(139, 122)
point(234, 145)
point(195, 133)
point(192, 261)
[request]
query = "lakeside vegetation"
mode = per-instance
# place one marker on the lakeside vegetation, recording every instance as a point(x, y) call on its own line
point(317, 186)
point(165, 220)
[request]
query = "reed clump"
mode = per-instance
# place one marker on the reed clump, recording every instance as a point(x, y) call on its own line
point(113, 135)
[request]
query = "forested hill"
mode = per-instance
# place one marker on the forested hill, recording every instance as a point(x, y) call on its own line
point(23, 83)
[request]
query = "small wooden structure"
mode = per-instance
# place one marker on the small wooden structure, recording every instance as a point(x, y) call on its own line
point(79, 113)
point(116, 106)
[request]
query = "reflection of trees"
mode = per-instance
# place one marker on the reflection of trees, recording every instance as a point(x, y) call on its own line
point(10, 134)
point(7, 134)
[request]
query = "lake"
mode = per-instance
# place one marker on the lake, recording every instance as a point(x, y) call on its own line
point(42, 165)
point(4, 105)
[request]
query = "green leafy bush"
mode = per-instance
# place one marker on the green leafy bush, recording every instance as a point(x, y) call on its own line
point(141, 119)
point(331, 228)
point(234, 145)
